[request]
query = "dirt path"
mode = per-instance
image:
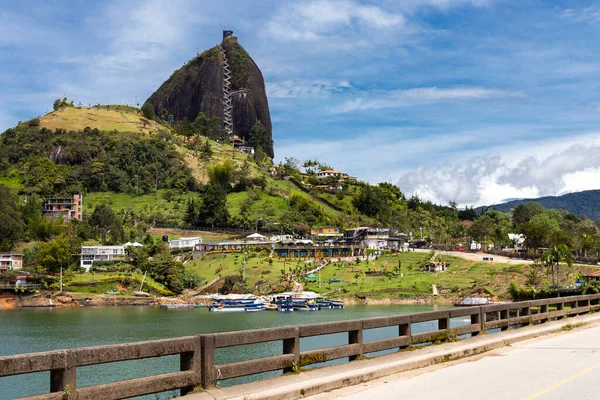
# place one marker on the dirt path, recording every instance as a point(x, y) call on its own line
point(479, 256)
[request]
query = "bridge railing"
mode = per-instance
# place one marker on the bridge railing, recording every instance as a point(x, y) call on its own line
point(198, 365)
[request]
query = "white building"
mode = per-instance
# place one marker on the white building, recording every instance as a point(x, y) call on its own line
point(184, 243)
point(281, 238)
point(89, 254)
point(10, 262)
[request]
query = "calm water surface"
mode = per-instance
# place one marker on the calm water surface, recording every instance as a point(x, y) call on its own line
point(33, 330)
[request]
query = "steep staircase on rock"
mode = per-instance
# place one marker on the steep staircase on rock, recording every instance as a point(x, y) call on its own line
point(227, 106)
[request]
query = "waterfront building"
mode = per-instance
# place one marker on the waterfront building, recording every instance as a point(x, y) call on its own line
point(91, 254)
point(10, 262)
point(369, 238)
point(66, 208)
point(184, 243)
point(327, 232)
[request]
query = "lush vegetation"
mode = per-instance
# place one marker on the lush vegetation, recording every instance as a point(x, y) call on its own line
point(183, 176)
point(53, 163)
point(578, 203)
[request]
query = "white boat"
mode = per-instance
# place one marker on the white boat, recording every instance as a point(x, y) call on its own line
point(237, 306)
point(176, 306)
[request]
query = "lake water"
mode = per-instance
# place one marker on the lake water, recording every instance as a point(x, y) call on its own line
point(34, 330)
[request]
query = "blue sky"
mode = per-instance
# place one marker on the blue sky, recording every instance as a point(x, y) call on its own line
point(467, 100)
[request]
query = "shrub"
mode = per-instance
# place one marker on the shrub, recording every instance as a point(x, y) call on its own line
point(148, 111)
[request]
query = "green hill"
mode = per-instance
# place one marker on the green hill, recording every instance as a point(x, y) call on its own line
point(144, 168)
point(585, 203)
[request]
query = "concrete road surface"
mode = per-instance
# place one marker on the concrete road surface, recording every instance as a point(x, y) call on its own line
point(565, 366)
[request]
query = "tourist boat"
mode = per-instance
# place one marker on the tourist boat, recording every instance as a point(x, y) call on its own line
point(326, 303)
point(254, 307)
point(337, 304)
point(236, 306)
point(285, 307)
point(176, 306)
point(305, 306)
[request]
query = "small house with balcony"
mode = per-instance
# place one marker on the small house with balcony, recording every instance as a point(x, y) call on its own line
point(66, 208)
point(10, 262)
point(91, 254)
point(184, 243)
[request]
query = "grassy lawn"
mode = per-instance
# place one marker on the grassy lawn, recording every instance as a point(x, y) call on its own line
point(120, 118)
point(12, 183)
point(161, 206)
point(460, 279)
point(101, 282)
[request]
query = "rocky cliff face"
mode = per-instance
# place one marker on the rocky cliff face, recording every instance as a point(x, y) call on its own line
point(198, 87)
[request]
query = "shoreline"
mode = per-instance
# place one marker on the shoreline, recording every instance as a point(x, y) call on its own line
point(62, 300)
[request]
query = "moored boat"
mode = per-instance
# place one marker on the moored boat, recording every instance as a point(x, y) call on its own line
point(176, 306)
point(305, 306)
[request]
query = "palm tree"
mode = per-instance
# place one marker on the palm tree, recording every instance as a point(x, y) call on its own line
point(552, 258)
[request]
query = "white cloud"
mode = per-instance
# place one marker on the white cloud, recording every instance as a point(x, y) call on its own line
point(489, 180)
point(294, 88)
point(424, 95)
point(587, 14)
point(140, 33)
point(310, 21)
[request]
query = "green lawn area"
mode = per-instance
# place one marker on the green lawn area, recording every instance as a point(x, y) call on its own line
point(101, 282)
point(12, 183)
point(165, 206)
point(461, 278)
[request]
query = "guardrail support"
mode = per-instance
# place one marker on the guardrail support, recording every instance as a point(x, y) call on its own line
point(405, 330)
point(190, 361)
point(207, 363)
point(443, 323)
point(292, 346)
point(356, 337)
point(478, 319)
point(65, 379)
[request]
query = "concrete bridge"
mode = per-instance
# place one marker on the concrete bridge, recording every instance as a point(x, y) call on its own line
point(463, 332)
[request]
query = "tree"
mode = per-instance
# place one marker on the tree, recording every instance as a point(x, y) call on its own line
point(206, 151)
point(501, 225)
point(148, 111)
point(212, 210)
point(55, 254)
point(259, 137)
point(392, 191)
point(221, 174)
point(10, 219)
point(370, 200)
point(185, 129)
point(540, 231)
point(482, 229)
point(106, 222)
point(525, 211)
point(554, 257)
point(210, 127)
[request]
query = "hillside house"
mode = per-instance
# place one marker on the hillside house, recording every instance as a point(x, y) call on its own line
point(90, 254)
point(370, 238)
point(66, 208)
point(184, 243)
point(329, 188)
point(326, 231)
point(332, 174)
point(10, 262)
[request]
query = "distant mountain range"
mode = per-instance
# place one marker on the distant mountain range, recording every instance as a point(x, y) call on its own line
point(578, 203)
